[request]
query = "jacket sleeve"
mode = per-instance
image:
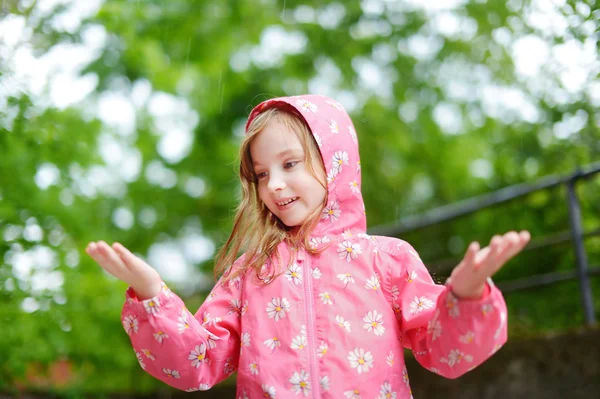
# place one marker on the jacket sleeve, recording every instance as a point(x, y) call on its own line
point(447, 335)
point(188, 352)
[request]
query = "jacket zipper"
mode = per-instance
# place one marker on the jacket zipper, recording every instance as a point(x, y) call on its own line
point(309, 311)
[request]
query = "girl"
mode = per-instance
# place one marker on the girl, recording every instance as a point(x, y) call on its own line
point(315, 307)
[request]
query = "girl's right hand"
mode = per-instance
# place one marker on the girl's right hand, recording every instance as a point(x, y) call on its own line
point(118, 261)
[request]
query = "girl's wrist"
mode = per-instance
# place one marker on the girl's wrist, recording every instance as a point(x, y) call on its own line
point(147, 291)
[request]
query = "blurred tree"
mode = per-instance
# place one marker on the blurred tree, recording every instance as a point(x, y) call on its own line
point(135, 140)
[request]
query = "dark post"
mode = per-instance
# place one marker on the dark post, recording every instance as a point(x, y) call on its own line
point(580, 255)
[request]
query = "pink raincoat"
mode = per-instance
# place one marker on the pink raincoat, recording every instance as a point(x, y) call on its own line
point(330, 326)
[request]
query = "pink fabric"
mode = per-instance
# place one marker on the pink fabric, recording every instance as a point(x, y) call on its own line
point(330, 326)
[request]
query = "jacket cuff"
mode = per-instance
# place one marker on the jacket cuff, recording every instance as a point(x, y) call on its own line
point(147, 307)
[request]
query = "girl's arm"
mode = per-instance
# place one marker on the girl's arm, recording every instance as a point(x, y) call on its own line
point(188, 352)
point(448, 335)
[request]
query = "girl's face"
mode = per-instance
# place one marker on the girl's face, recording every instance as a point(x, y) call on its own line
point(285, 184)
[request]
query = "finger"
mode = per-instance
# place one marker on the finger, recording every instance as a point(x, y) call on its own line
point(525, 236)
point(469, 260)
point(110, 256)
point(93, 250)
point(131, 261)
point(490, 259)
point(510, 247)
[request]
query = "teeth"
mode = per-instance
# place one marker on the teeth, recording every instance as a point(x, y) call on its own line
point(287, 202)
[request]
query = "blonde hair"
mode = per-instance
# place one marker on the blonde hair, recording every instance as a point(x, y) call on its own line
point(255, 229)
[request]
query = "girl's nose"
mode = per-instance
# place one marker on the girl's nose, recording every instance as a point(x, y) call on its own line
point(276, 183)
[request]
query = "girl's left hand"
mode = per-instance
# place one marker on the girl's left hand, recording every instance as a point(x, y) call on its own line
point(468, 279)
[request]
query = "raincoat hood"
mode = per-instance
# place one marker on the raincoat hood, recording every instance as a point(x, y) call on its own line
point(336, 137)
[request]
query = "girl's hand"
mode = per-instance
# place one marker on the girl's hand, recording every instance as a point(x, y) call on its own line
point(118, 261)
point(469, 277)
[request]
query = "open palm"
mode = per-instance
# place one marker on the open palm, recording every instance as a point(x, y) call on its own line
point(469, 277)
point(121, 263)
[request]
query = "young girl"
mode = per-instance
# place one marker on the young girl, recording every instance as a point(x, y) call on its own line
point(315, 307)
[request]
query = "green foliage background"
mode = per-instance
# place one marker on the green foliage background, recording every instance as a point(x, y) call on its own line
point(207, 54)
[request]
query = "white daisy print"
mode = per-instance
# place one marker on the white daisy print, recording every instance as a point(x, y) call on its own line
point(253, 368)
point(434, 326)
point(246, 339)
point(182, 322)
point(410, 276)
point(152, 305)
point(357, 166)
point(395, 292)
point(235, 307)
point(352, 133)
point(332, 212)
point(198, 355)
point(148, 354)
point(235, 282)
point(346, 279)
point(372, 283)
point(318, 139)
point(228, 368)
point(335, 105)
point(455, 357)
point(299, 342)
point(277, 307)
point(331, 176)
point(300, 382)
point(360, 360)
point(354, 187)
point(206, 318)
point(268, 392)
point(374, 322)
point(140, 360)
point(340, 158)
point(346, 234)
point(273, 343)
point(160, 336)
point(322, 351)
point(211, 340)
point(333, 125)
point(316, 273)
point(347, 250)
point(171, 373)
point(501, 327)
point(325, 383)
point(354, 394)
point(294, 274)
point(390, 359)
point(165, 290)
point(467, 338)
point(420, 304)
point(326, 298)
point(452, 306)
point(386, 391)
point(405, 376)
point(342, 323)
point(307, 106)
point(210, 297)
point(486, 308)
point(131, 324)
point(315, 242)
point(495, 349)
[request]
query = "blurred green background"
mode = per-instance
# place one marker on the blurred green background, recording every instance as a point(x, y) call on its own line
point(120, 121)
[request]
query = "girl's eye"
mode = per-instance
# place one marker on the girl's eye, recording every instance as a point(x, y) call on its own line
point(261, 175)
point(291, 164)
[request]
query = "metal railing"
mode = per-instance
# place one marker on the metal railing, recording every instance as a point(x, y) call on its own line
point(576, 234)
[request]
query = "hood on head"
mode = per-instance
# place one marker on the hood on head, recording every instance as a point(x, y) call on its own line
point(336, 137)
